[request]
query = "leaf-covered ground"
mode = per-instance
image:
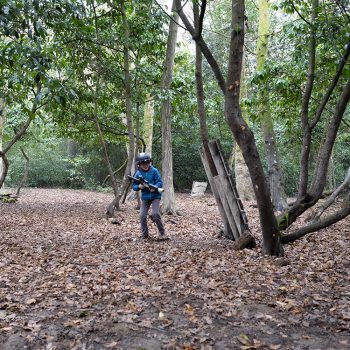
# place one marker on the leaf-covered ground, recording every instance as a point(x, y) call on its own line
point(69, 279)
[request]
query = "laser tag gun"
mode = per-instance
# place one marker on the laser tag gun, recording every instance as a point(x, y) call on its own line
point(141, 181)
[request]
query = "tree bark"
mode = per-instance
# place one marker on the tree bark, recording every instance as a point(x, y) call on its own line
point(168, 206)
point(148, 119)
point(243, 181)
point(273, 163)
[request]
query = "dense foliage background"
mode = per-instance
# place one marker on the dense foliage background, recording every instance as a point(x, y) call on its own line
point(70, 54)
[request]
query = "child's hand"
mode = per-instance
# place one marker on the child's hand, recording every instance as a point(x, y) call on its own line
point(152, 190)
point(141, 187)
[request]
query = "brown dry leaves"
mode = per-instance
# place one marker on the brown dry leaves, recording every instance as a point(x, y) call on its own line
point(71, 279)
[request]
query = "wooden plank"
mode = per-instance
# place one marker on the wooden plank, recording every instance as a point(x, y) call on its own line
point(221, 191)
point(233, 185)
point(233, 208)
point(227, 229)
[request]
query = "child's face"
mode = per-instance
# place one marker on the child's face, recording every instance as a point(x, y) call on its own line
point(144, 166)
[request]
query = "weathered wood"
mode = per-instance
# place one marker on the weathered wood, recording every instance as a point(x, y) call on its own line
point(230, 191)
point(246, 240)
point(233, 185)
point(227, 229)
point(226, 205)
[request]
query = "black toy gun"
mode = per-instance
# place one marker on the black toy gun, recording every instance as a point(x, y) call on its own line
point(142, 181)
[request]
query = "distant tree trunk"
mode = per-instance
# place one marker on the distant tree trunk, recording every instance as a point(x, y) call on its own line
point(168, 206)
point(72, 148)
point(244, 183)
point(148, 118)
point(128, 103)
point(114, 205)
point(2, 123)
point(331, 183)
point(25, 173)
point(274, 168)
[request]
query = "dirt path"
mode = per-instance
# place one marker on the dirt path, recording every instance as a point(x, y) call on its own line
point(69, 279)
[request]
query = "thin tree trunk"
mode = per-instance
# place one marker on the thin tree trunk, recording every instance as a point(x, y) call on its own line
point(168, 206)
point(307, 129)
point(114, 205)
point(273, 163)
point(25, 173)
point(331, 199)
point(2, 123)
point(5, 168)
point(110, 213)
point(148, 119)
point(128, 102)
point(243, 181)
point(331, 183)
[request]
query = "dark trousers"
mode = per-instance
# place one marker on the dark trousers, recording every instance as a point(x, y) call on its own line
point(145, 205)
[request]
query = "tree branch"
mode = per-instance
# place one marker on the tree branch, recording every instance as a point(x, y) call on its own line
point(329, 220)
point(331, 87)
point(204, 48)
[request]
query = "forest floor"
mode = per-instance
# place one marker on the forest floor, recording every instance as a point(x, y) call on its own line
point(70, 279)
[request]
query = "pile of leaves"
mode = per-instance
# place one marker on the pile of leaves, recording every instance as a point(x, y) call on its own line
point(70, 279)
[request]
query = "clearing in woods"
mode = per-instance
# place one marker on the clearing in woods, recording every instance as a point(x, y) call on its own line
point(69, 279)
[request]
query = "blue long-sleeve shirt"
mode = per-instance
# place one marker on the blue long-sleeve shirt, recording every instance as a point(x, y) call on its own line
point(153, 177)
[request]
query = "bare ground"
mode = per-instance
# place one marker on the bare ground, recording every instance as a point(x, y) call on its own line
point(69, 279)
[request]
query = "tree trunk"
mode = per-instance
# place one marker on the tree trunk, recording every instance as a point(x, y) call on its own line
point(25, 173)
point(128, 103)
point(319, 181)
point(243, 134)
point(148, 119)
point(168, 206)
point(331, 183)
point(274, 168)
point(243, 181)
point(2, 123)
point(114, 205)
point(304, 114)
